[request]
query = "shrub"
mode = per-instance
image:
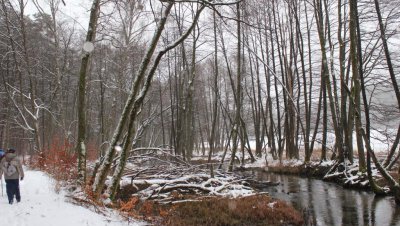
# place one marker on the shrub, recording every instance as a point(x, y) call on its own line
point(58, 160)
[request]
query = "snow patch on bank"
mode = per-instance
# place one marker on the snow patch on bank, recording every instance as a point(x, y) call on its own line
point(42, 206)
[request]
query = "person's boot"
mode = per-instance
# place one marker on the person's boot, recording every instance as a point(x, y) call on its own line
point(11, 202)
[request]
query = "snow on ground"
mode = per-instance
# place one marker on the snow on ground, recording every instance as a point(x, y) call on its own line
point(42, 206)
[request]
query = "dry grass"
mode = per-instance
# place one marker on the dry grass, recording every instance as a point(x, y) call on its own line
point(253, 210)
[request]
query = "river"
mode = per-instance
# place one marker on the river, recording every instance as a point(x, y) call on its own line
point(329, 204)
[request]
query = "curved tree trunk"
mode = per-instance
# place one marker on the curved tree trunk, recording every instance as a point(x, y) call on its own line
point(138, 104)
point(140, 75)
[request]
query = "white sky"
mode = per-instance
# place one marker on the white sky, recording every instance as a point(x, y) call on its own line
point(75, 10)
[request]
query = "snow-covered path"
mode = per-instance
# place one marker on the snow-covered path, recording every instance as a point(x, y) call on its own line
point(41, 206)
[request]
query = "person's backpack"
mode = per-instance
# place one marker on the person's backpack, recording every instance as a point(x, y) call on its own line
point(2, 154)
point(9, 168)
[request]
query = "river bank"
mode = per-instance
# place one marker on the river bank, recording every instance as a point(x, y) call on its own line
point(346, 174)
point(328, 203)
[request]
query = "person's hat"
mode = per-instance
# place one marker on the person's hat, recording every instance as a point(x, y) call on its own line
point(11, 150)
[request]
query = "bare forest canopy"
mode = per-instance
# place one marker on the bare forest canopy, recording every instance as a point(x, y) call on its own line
point(265, 77)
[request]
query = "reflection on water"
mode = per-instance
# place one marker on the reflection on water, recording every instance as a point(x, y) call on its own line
point(329, 204)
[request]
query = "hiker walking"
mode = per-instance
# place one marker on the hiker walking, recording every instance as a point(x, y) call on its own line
point(11, 167)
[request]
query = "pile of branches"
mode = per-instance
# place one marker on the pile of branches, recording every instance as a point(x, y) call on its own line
point(349, 175)
point(167, 181)
point(174, 182)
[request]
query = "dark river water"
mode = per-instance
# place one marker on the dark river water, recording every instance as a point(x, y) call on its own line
point(329, 204)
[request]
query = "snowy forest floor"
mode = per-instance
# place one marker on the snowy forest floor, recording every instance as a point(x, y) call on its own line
point(42, 205)
point(47, 201)
point(155, 189)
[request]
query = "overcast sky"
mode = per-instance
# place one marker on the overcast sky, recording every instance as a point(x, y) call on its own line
point(75, 10)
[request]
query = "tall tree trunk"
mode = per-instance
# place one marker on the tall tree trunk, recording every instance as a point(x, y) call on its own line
point(215, 98)
point(81, 146)
point(237, 121)
point(355, 62)
point(343, 82)
point(322, 27)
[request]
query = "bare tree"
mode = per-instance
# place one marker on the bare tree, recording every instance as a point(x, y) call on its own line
point(81, 146)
